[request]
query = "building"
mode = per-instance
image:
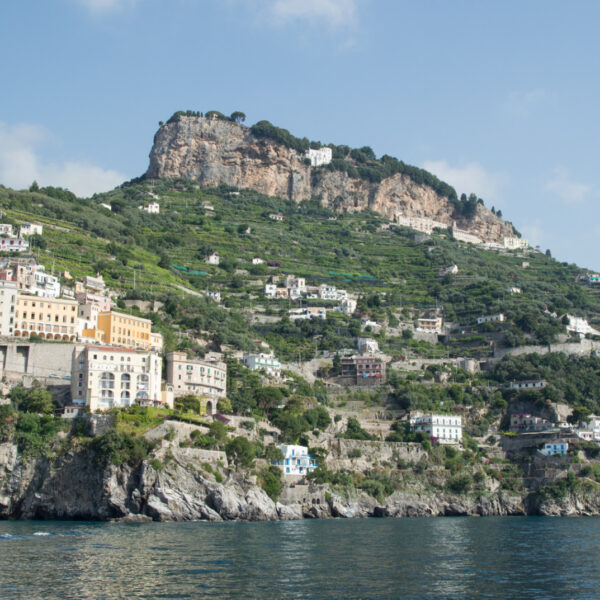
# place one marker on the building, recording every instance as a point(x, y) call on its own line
point(6, 230)
point(213, 259)
point(49, 318)
point(104, 303)
point(580, 326)
point(515, 243)
point(156, 341)
point(152, 208)
point(527, 385)
point(445, 429)
point(319, 156)
point(270, 290)
point(364, 370)
point(30, 229)
point(125, 330)
point(499, 318)
point(94, 285)
point(590, 429)
point(419, 223)
point(295, 283)
point(555, 449)
point(263, 362)
point(197, 377)
point(514, 290)
point(103, 378)
point(216, 296)
point(282, 293)
point(347, 306)
point(430, 324)
point(13, 245)
point(87, 319)
point(8, 307)
point(367, 345)
point(464, 236)
point(527, 422)
point(257, 261)
point(593, 278)
point(296, 460)
point(451, 270)
point(328, 292)
point(276, 217)
point(308, 312)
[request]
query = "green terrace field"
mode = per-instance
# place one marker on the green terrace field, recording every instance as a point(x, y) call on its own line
point(393, 275)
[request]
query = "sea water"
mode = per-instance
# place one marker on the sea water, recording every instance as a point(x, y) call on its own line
point(438, 558)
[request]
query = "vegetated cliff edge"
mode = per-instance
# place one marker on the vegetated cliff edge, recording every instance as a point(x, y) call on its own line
point(77, 487)
point(215, 151)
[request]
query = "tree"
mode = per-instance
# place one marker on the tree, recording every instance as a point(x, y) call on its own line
point(164, 261)
point(188, 403)
point(241, 451)
point(268, 397)
point(238, 116)
point(271, 482)
point(499, 214)
point(34, 187)
point(34, 400)
point(218, 431)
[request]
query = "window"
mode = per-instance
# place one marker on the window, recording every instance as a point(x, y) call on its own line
point(107, 381)
point(125, 381)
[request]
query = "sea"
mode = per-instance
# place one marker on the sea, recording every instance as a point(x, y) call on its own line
point(539, 558)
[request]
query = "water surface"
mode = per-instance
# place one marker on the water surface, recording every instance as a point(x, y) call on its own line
point(438, 558)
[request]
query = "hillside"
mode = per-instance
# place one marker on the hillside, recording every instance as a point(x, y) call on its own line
point(214, 150)
point(396, 277)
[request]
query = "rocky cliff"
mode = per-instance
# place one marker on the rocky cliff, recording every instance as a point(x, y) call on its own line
point(76, 487)
point(216, 151)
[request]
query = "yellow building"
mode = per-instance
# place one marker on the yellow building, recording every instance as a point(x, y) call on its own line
point(50, 318)
point(125, 330)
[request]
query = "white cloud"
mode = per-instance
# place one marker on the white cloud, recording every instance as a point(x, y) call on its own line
point(333, 13)
point(569, 191)
point(523, 104)
point(103, 6)
point(470, 178)
point(21, 163)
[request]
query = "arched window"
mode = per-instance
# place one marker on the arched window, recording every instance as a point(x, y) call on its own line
point(106, 394)
point(125, 381)
point(125, 397)
point(143, 381)
point(107, 381)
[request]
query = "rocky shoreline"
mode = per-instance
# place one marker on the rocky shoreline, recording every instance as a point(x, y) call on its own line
point(74, 487)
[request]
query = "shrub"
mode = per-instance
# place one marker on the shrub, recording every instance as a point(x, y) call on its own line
point(271, 482)
point(119, 448)
point(354, 453)
point(355, 432)
point(241, 451)
point(460, 484)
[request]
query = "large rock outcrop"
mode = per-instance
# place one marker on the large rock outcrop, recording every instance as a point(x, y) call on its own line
point(215, 151)
point(77, 487)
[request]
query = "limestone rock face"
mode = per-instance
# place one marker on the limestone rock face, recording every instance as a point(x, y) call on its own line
point(214, 152)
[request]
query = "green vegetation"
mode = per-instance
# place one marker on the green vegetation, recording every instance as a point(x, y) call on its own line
point(116, 448)
point(355, 432)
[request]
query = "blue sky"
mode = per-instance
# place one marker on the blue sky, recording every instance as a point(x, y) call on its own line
point(500, 99)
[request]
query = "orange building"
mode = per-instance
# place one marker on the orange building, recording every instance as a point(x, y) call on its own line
point(125, 330)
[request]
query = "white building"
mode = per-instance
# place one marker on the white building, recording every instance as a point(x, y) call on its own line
point(451, 270)
point(30, 229)
point(515, 243)
point(347, 306)
point(555, 449)
point(106, 206)
point(580, 326)
point(43, 284)
point(13, 245)
point(514, 290)
point(87, 318)
point(213, 259)
point(297, 283)
point(447, 429)
point(430, 324)
point(152, 208)
point(296, 460)
point(464, 236)
point(328, 292)
point(197, 377)
point(8, 307)
point(216, 296)
point(104, 377)
point(499, 318)
point(263, 362)
point(419, 223)
point(538, 384)
point(6, 229)
point(367, 345)
point(319, 156)
point(308, 312)
point(270, 290)
point(341, 295)
point(257, 261)
point(276, 217)
point(590, 429)
point(593, 278)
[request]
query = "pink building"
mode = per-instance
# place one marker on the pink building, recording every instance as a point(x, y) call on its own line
point(102, 302)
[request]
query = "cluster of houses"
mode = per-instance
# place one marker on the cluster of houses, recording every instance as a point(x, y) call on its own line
point(14, 239)
point(295, 288)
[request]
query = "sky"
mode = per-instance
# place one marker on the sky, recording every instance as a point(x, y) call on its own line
point(496, 98)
